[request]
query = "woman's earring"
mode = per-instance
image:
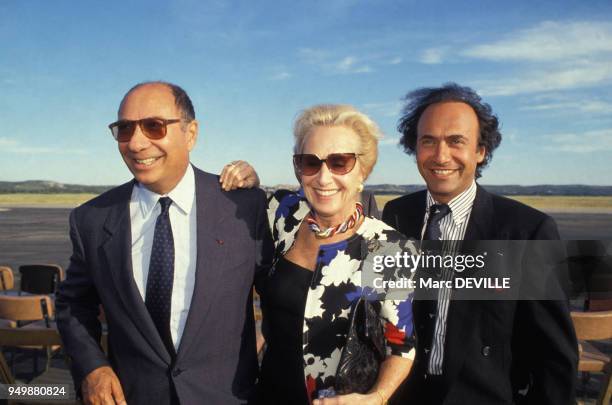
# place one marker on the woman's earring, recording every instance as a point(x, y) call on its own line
point(360, 188)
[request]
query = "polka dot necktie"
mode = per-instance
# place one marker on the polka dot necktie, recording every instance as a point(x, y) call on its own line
point(158, 298)
point(436, 213)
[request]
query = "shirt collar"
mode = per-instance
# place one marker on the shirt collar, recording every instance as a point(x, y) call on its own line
point(460, 206)
point(182, 195)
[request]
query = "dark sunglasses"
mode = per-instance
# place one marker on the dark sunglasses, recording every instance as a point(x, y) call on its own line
point(337, 163)
point(153, 128)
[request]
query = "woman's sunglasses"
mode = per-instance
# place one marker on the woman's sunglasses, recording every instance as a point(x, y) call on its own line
point(338, 163)
point(153, 128)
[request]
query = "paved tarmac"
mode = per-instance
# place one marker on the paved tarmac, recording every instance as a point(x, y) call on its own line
point(34, 235)
point(41, 235)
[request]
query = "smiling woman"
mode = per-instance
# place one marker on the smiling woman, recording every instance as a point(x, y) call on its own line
point(331, 131)
point(332, 196)
point(319, 235)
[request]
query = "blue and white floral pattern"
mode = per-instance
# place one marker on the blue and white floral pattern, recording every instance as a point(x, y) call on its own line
point(336, 284)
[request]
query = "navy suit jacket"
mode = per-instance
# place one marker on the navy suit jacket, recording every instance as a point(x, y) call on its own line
point(216, 361)
point(493, 348)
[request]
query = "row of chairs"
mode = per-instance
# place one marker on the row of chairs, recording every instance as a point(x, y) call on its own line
point(34, 278)
point(27, 323)
point(34, 301)
point(36, 337)
point(592, 326)
point(27, 315)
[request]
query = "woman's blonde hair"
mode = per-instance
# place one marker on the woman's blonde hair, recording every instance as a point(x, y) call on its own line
point(330, 115)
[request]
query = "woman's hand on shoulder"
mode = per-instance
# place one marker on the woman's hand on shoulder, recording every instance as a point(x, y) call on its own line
point(238, 174)
point(350, 399)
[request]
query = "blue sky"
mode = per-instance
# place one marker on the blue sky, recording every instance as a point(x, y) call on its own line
point(250, 67)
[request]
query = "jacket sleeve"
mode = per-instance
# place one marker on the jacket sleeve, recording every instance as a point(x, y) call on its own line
point(389, 217)
point(264, 243)
point(369, 204)
point(77, 310)
point(545, 345)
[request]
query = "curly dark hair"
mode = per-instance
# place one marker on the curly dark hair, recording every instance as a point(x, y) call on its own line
point(418, 100)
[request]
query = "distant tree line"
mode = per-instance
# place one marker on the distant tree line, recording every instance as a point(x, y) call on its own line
point(48, 187)
point(51, 187)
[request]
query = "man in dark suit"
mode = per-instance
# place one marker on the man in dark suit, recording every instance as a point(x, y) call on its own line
point(475, 352)
point(171, 259)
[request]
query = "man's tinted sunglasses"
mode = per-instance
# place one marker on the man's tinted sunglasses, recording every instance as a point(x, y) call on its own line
point(152, 128)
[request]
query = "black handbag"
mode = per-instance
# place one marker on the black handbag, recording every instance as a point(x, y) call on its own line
point(364, 349)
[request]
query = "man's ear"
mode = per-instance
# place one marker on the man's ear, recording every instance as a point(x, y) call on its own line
point(481, 153)
point(192, 134)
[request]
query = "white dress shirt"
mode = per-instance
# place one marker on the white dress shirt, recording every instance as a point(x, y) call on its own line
point(144, 210)
point(452, 227)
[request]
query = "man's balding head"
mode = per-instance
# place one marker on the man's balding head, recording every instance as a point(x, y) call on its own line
point(181, 98)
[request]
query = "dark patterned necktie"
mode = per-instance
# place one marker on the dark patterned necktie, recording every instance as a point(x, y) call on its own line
point(158, 298)
point(436, 213)
point(429, 307)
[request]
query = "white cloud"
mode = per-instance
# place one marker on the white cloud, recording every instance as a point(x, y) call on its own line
point(386, 109)
point(278, 72)
point(389, 141)
point(432, 56)
point(550, 56)
point(7, 142)
point(588, 106)
point(587, 142)
point(313, 55)
point(571, 76)
point(45, 151)
point(350, 64)
point(395, 61)
point(281, 76)
point(331, 64)
point(511, 136)
point(346, 63)
point(549, 41)
point(14, 147)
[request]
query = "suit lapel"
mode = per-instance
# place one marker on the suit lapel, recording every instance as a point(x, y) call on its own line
point(481, 224)
point(210, 257)
point(118, 253)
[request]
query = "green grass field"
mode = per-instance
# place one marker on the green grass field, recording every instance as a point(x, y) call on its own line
point(539, 202)
point(42, 200)
point(575, 203)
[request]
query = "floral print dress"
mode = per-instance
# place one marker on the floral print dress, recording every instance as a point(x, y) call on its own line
point(336, 285)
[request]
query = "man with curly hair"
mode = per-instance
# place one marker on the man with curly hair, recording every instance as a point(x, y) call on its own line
point(468, 352)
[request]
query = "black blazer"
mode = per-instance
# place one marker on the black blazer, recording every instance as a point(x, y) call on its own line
point(216, 361)
point(493, 348)
point(369, 204)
